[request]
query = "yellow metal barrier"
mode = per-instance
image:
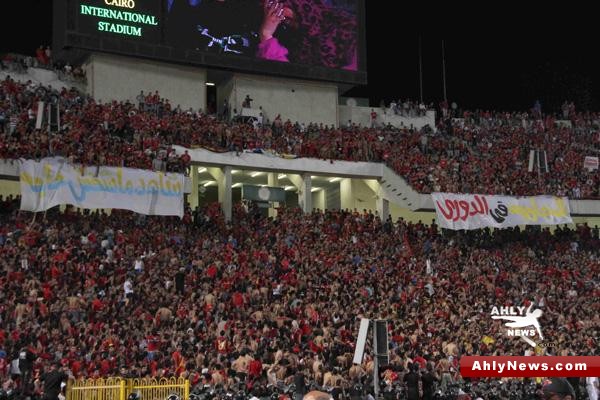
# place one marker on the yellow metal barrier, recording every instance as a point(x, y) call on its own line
point(153, 389)
point(119, 389)
point(96, 389)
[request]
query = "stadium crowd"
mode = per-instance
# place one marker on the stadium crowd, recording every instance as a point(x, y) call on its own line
point(20, 64)
point(267, 300)
point(482, 152)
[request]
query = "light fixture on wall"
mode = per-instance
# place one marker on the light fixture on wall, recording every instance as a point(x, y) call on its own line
point(210, 84)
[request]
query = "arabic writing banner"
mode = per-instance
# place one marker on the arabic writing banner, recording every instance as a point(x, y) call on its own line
point(53, 182)
point(468, 211)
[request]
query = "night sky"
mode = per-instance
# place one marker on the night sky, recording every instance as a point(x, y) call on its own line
point(503, 58)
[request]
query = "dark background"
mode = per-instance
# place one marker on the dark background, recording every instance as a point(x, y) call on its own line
point(501, 57)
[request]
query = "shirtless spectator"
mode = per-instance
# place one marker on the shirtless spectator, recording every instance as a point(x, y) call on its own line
point(284, 325)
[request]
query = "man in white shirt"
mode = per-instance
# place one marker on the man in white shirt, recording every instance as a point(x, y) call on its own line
point(109, 255)
point(139, 265)
point(529, 352)
point(592, 386)
point(128, 288)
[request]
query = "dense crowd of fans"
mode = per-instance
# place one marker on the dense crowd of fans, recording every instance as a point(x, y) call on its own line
point(482, 152)
point(113, 134)
point(271, 299)
point(20, 64)
point(406, 108)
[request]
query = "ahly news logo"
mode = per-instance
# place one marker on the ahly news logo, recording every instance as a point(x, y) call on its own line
point(519, 319)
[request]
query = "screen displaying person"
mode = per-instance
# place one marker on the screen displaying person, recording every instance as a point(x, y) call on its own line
point(219, 26)
point(310, 32)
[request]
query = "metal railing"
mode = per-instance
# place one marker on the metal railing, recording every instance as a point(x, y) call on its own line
point(119, 389)
point(96, 389)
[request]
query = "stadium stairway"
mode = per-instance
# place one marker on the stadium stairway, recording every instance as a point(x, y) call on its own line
point(396, 190)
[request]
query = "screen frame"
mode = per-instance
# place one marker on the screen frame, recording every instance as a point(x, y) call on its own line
point(67, 38)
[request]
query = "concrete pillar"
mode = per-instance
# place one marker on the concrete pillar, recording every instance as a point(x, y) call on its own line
point(346, 196)
point(320, 199)
point(225, 196)
point(383, 208)
point(273, 181)
point(305, 194)
point(224, 181)
point(194, 201)
point(304, 185)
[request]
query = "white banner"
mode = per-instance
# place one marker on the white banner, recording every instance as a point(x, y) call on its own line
point(468, 211)
point(53, 182)
point(40, 115)
point(591, 163)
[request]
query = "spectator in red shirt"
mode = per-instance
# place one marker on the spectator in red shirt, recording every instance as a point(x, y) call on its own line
point(373, 118)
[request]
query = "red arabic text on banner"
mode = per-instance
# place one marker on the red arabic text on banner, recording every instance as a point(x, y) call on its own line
point(475, 211)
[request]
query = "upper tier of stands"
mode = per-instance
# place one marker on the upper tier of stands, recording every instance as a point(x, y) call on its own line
point(481, 152)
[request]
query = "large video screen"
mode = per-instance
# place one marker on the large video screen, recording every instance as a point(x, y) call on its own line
point(294, 37)
point(312, 32)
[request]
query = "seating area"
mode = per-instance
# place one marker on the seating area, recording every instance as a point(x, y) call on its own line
point(264, 300)
point(482, 152)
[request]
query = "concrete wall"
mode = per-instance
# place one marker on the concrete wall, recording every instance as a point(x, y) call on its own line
point(8, 188)
point(224, 92)
point(355, 194)
point(332, 197)
point(295, 100)
point(122, 78)
point(353, 101)
point(360, 194)
point(319, 200)
point(410, 216)
point(591, 221)
point(9, 168)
